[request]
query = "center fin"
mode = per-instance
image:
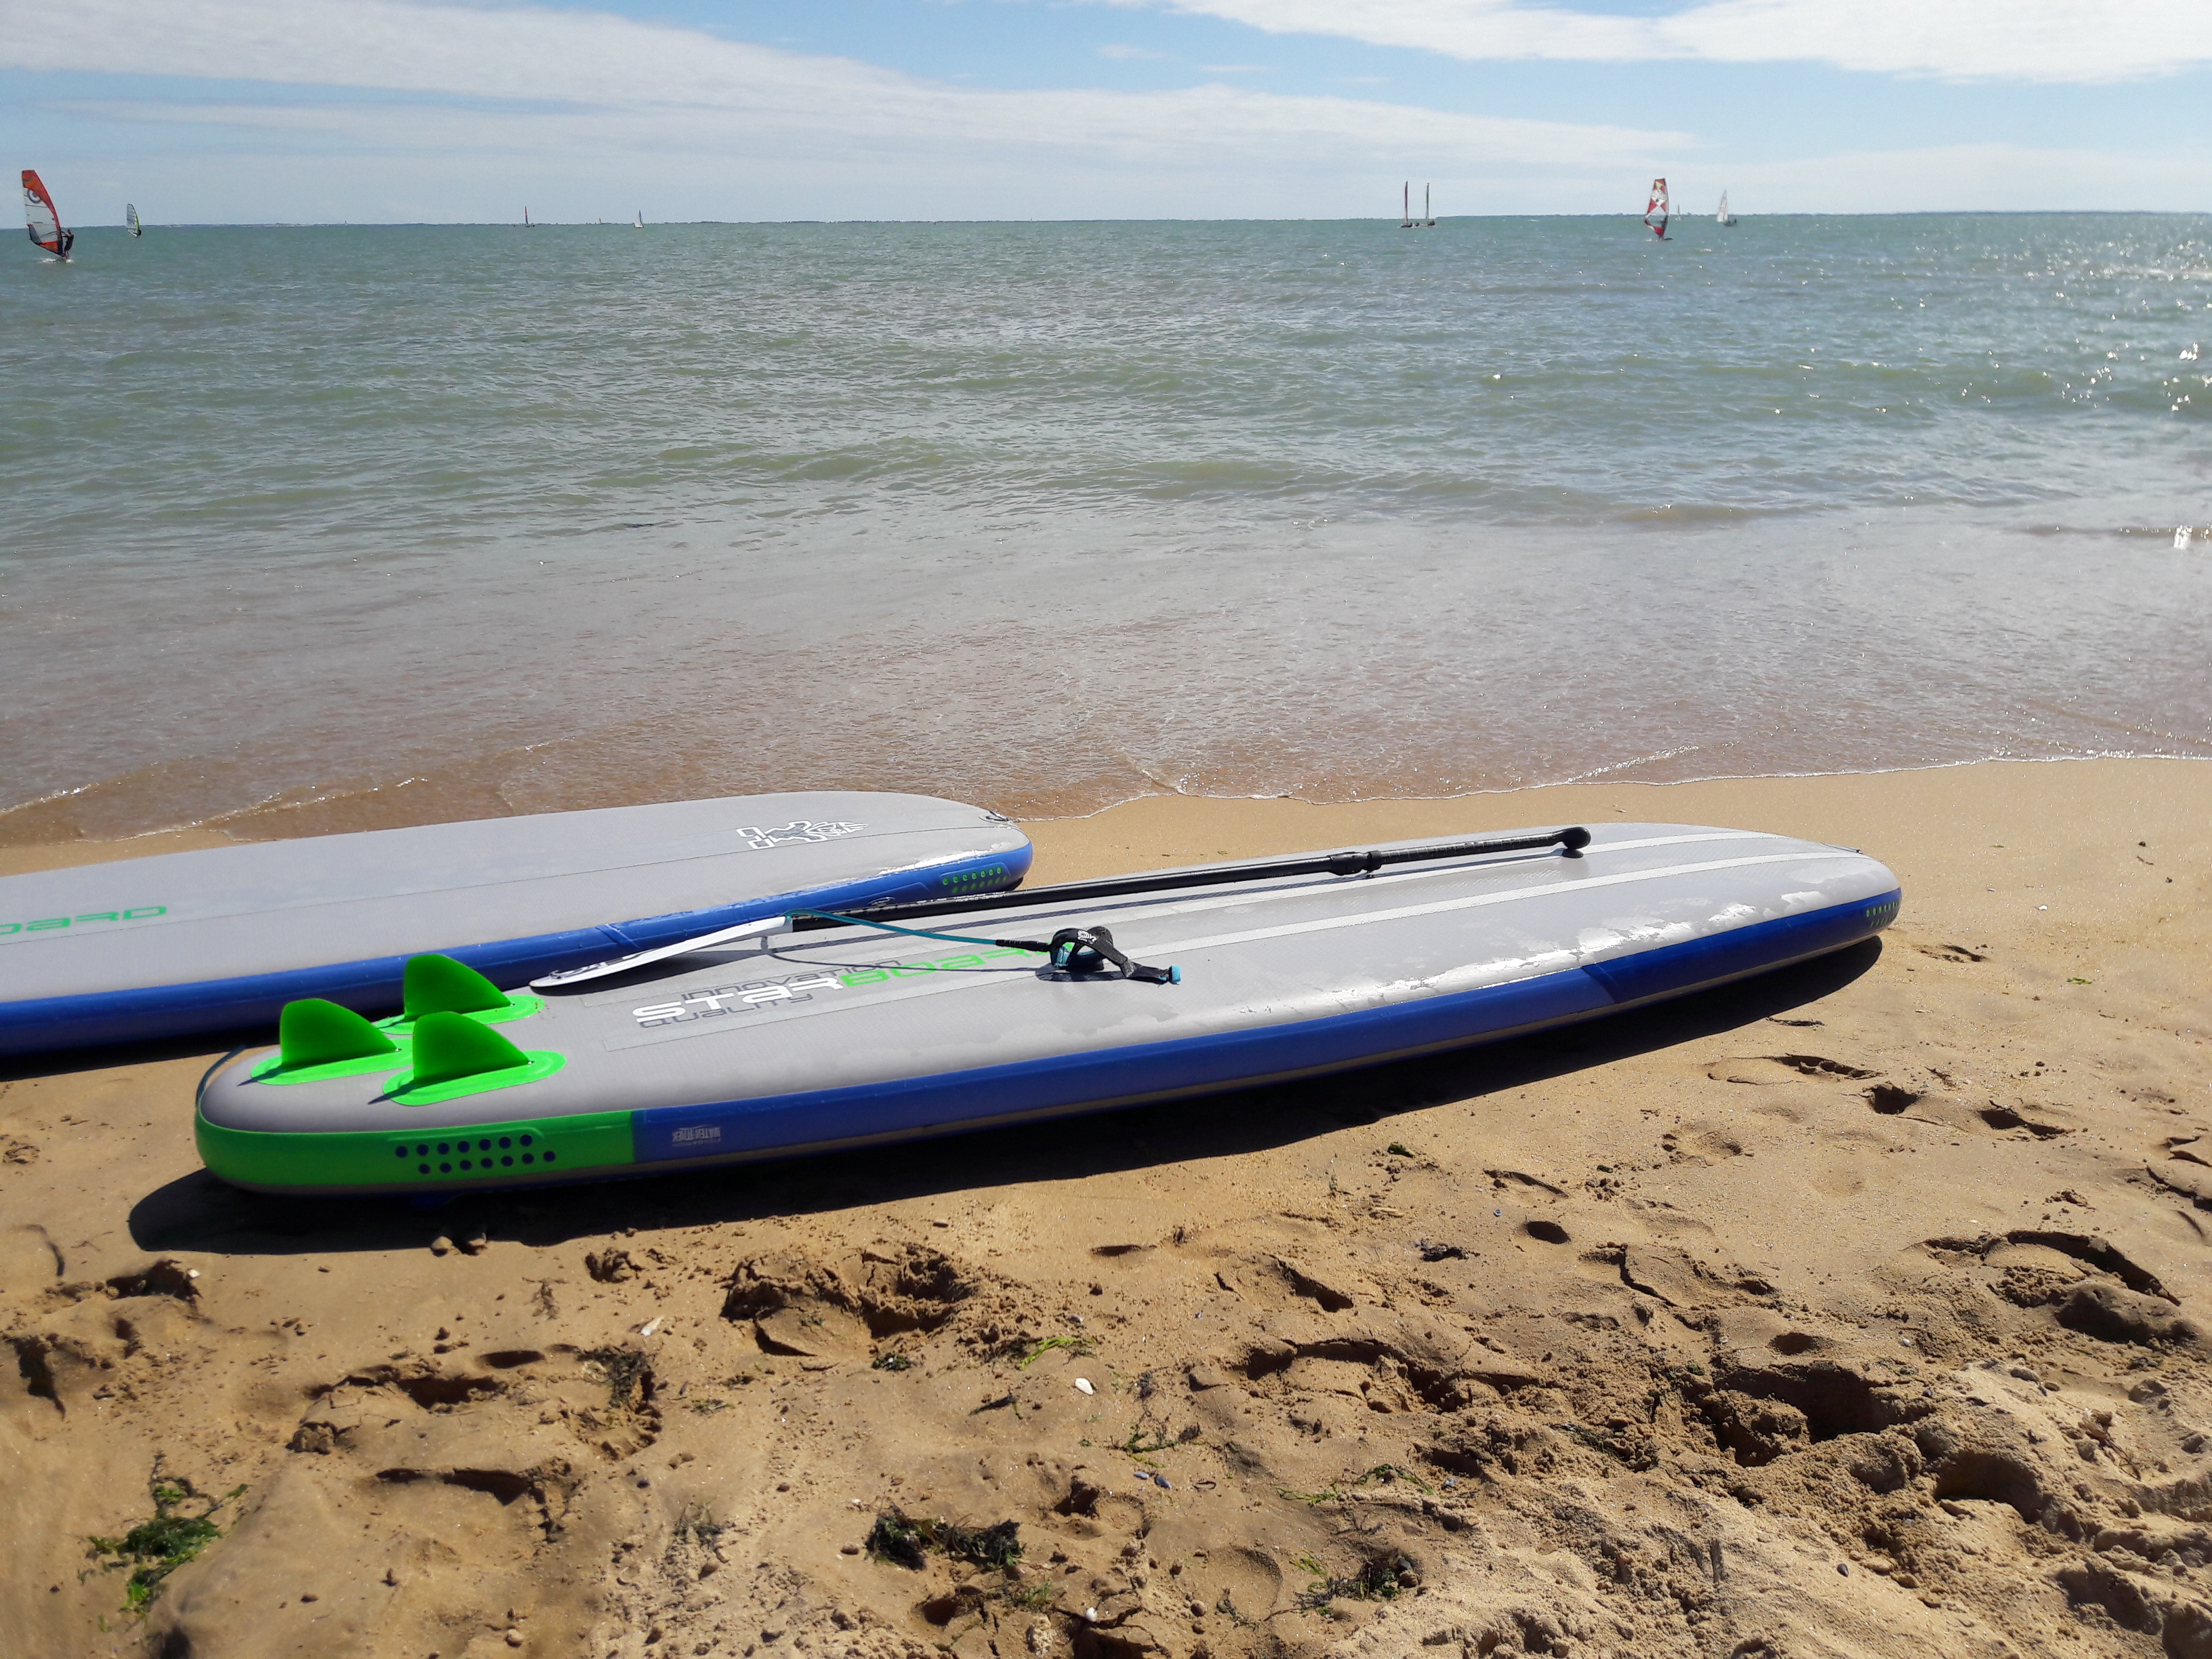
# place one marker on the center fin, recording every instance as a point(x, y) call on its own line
point(449, 1047)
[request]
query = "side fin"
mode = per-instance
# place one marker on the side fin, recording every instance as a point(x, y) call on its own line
point(313, 1032)
point(437, 984)
point(449, 1047)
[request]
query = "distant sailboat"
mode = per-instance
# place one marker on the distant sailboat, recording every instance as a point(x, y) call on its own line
point(131, 218)
point(1724, 217)
point(42, 219)
point(526, 225)
point(1428, 214)
point(1655, 210)
point(640, 225)
point(1405, 219)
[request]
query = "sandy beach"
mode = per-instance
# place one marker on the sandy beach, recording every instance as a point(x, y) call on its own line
point(1855, 1309)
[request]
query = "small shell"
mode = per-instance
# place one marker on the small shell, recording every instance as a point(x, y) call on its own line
point(1082, 1385)
point(1091, 1615)
point(649, 1327)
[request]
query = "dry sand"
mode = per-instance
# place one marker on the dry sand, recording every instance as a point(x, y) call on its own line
point(1857, 1309)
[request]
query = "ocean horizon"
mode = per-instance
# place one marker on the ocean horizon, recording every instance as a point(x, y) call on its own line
point(1629, 214)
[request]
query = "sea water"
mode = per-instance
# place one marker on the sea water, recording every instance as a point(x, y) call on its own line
point(334, 526)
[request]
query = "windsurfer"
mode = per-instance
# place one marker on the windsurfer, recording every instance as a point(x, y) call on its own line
point(43, 223)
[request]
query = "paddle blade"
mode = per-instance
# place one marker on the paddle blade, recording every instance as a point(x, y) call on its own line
point(435, 985)
point(313, 1032)
point(449, 1047)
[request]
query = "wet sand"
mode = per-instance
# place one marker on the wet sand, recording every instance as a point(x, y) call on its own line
point(1855, 1309)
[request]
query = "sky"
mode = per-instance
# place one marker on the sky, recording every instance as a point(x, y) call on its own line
point(412, 111)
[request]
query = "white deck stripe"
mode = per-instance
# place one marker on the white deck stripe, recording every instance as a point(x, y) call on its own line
point(1326, 923)
point(935, 984)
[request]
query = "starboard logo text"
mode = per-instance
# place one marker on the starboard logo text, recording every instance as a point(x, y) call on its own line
point(756, 994)
point(733, 998)
point(54, 924)
point(784, 835)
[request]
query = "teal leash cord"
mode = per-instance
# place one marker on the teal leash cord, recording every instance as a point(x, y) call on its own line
point(921, 932)
point(1069, 948)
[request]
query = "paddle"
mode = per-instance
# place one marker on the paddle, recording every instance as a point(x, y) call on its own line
point(1570, 841)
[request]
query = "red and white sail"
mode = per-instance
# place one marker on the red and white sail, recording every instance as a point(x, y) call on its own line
point(1655, 210)
point(42, 218)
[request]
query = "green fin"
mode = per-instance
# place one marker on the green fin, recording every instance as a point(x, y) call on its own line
point(450, 1047)
point(441, 985)
point(313, 1032)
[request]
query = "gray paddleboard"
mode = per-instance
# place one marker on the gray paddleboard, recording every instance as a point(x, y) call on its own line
point(846, 1037)
point(222, 938)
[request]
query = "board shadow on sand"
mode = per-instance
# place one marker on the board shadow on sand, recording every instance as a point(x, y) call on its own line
point(199, 1213)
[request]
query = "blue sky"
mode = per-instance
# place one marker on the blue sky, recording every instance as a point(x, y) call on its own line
point(365, 110)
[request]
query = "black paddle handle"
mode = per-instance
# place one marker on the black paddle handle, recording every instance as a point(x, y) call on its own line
point(1570, 840)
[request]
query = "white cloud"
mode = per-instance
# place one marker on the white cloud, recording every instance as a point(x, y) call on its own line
point(385, 109)
point(532, 83)
point(2052, 41)
point(1123, 53)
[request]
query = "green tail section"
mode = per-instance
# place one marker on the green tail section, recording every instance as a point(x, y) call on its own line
point(514, 1151)
point(449, 1047)
point(437, 985)
point(313, 1032)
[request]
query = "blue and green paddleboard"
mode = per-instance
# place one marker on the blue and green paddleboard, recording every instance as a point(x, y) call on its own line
point(818, 1033)
point(223, 939)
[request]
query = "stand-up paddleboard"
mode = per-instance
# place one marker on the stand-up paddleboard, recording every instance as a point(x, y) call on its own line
point(1024, 1005)
point(223, 939)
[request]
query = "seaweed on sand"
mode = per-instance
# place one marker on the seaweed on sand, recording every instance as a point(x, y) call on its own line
point(1381, 1579)
point(901, 1538)
point(625, 1369)
point(158, 1545)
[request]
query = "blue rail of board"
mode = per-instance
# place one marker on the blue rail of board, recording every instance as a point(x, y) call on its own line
point(1151, 1071)
point(371, 985)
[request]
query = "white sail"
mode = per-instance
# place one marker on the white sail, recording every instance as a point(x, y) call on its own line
point(1725, 217)
point(640, 225)
point(131, 218)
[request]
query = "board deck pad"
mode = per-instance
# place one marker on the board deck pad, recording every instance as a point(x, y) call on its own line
point(222, 938)
point(809, 1041)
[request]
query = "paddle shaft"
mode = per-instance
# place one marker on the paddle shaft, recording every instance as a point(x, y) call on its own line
point(1571, 840)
